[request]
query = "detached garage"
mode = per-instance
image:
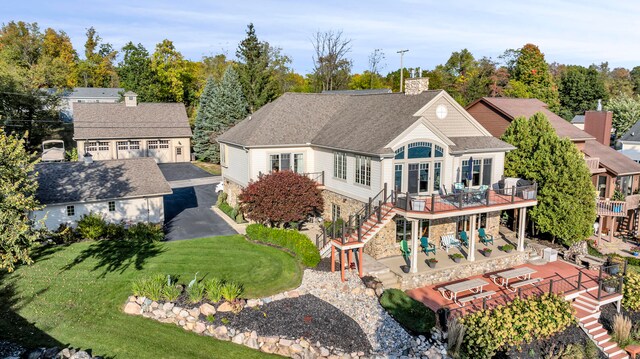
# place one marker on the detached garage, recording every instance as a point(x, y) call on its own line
point(110, 131)
point(129, 191)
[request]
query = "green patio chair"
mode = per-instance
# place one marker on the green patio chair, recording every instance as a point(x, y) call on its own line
point(458, 187)
point(427, 247)
point(463, 238)
point(404, 247)
point(484, 237)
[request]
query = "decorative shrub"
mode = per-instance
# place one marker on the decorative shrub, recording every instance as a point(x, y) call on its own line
point(222, 198)
point(455, 337)
point(65, 234)
point(195, 293)
point(281, 197)
point(231, 291)
point(115, 231)
point(150, 287)
point(622, 330)
point(631, 291)
point(145, 232)
point(290, 239)
point(171, 293)
point(515, 323)
point(233, 213)
point(91, 226)
point(507, 247)
point(213, 288)
point(411, 314)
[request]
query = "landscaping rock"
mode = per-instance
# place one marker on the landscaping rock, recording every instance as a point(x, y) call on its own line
point(168, 306)
point(293, 294)
point(207, 309)
point(269, 348)
point(200, 328)
point(176, 310)
point(81, 354)
point(238, 339)
point(195, 312)
point(132, 308)
point(324, 352)
point(252, 343)
point(184, 313)
point(140, 300)
point(253, 303)
point(285, 342)
point(225, 307)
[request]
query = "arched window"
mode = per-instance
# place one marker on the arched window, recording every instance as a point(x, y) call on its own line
point(419, 150)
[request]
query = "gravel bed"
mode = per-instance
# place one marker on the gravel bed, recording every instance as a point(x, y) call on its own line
point(384, 333)
point(305, 316)
point(10, 350)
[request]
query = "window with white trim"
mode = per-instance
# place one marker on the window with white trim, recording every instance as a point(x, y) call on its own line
point(363, 170)
point(479, 172)
point(112, 206)
point(158, 144)
point(223, 154)
point(340, 165)
point(71, 211)
point(298, 163)
point(335, 211)
point(282, 162)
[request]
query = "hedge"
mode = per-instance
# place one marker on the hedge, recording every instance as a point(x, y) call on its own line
point(411, 314)
point(290, 239)
point(631, 295)
point(233, 213)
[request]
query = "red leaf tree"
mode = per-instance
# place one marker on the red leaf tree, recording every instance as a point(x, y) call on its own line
point(281, 197)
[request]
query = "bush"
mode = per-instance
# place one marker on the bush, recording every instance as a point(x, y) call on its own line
point(145, 232)
point(622, 330)
point(65, 234)
point(195, 293)
point(150, 287)
point(91, 226)
point(115, 231)
point(222, 198)
point(171, 293)
point(515, 323)
point(631, 291)
point(231, 291)
point(213, 289)
point(292, 240)
point(411, 314)
point(233, 213)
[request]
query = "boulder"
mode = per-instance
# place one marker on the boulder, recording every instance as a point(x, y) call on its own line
point(200, 327)
point(285, 342)
point(36, 353)
point(270, 340)
point(252, 343)
point(195, 312)
point(225, 307)
point(293, 294)
point(296, 348)
point(238, 339)
point(168, 306)
point(253, 303)
point(81, 354)
point(207, 309)
point(159, 313)
point(324, 352)
point(51, 352)
point(132, 298)
point(221, 333)
point(132, 308)
point(176, 310)
point(184, 313)
point(65, 353)
point(154, 305)
point(370, 292)
point(140, 300)
point(269, 348)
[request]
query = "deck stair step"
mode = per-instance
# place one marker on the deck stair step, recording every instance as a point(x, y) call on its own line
point(587, 310)
point(389, 280)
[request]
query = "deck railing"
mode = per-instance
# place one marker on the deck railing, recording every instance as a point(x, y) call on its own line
point(606, 207)
point(465, 199)
point(318, 177)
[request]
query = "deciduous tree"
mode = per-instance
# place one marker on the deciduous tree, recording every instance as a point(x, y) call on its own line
point(626, 112)
point(566, 205)
point(281, 197)
point(17, 200)
point(332, 68)
point(579, 89)
point(136, 73)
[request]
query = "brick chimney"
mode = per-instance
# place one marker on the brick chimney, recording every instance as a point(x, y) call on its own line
point(130, 99)
point(416, 85)
point(598, 124)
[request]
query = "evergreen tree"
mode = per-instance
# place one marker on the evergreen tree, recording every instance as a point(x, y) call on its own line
point(221, 107)
point(566, 206)
point(531, 78)
point(254, 71)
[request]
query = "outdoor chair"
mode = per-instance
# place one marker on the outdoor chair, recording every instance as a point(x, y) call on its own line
point(484, 238)
point(464, 239)
point(481, 193)
point(404, 247)
point(449, 240)
point(427, 247)
point(458, 187)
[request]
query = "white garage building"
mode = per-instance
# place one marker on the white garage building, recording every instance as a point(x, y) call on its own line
point(129, 190)
point(110, 131)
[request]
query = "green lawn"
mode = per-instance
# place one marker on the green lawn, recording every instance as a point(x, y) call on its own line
point(74, 295)
point(212, 168)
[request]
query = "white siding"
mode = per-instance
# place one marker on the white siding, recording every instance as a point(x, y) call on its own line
point(456, 124)
point(149, 209)
point(260, 158)
point(237, 166)
point(348, 187)
point(167, 155)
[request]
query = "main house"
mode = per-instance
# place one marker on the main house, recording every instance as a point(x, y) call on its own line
point(129, 129)
point(417, 156)
point(610, 170)
point(119, 190)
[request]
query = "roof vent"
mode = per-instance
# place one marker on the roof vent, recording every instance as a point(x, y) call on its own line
point(87, 158)
point(130, 99)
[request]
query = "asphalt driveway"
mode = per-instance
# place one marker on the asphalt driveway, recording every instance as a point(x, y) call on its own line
point(182, 171)
point(188, 214)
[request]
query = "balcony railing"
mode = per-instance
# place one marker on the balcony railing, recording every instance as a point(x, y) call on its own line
point(464, 199)
point(318, 177)
point(593, 163)
point(606, 207)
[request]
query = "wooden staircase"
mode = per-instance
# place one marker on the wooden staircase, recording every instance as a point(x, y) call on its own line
point(588, 312)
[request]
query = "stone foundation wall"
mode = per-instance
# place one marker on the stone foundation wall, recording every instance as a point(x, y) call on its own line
point(383, 244)
point(233, 191)
point(347, 205)
point(493, 224)
point(441, 227)
point(460, 271)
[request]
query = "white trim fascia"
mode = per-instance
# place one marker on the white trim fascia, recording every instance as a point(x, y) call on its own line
point(105, 200)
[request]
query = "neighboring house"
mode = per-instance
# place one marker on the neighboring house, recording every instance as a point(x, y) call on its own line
point(119, 190)
point(85, 95)
point(403, 149)
point(110, 131)
point(630, 143)
point(609, 169)
point(578, 121)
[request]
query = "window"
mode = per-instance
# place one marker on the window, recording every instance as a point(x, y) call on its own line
point(179, 151)
point(437, 175)
point(479, 172)
point(400, 153)
point(363, 170)
point(298, 163)
point(103, 146)
point(91, 146)
point(112, 206)
point(403, 229)
point(398, 178)
point(335, 212)
point(340, 165)
point(419, 150)
point(134, 145)
point(602, 186)
point(423, 181)
point(624, 184)
point(439, 151)
point(122, 145)
point(71, 211)
point(156, 144)
point(223, 154)
point(486, 171)
point(275, 162)
point(285, 161)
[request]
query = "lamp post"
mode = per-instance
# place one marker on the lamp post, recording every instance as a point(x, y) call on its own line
point(401, 52)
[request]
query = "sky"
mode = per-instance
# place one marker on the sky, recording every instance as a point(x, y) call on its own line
point(570, 32)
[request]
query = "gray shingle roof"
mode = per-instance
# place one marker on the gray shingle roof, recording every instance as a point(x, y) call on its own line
point(359, 123)
point(358, 92)
point(469, 144)
point(69, 182)
point(633, 134)
point(115, 120)
point(577, 119)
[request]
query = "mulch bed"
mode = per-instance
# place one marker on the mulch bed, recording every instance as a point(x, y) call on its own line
point(609, 311)
point(541, 348)
point(304, 316)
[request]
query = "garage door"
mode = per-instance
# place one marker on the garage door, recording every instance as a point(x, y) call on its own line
point(159, 149)
point(98, 150)
point(129, 149)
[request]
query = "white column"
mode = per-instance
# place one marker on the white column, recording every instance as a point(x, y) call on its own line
point(472, 239)
point(521, 227)
point(414, 245)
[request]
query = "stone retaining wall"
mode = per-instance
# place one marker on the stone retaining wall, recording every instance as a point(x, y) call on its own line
point(233, 191)
point(347, 205)
point(460, 271)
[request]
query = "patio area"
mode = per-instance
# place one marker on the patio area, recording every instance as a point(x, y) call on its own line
point(557, 277)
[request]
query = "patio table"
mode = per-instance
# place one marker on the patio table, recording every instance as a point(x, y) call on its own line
point(523, 273)
point(473, 285)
